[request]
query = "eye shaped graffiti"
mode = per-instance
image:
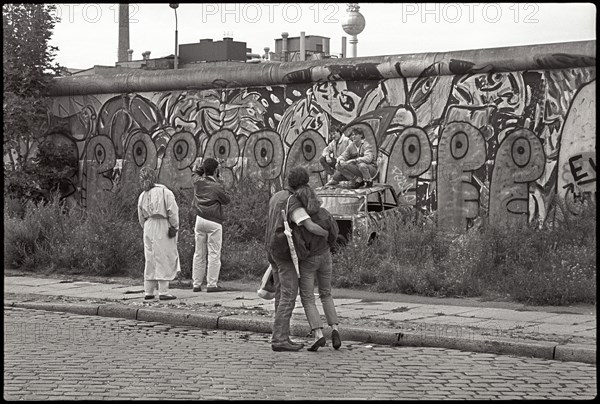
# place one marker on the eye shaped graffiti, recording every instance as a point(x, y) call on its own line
point(521, 152)
point(263, 156)
point(175, 170)
point(223, 147)
point(100, 159)
point(411, 156)
point(99, 154)
point(459, 144)
point(519, 160)
point(139, 152)
point(461, 151)
point(305, 152)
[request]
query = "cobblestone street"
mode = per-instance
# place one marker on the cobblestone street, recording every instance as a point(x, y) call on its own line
point(52, 355)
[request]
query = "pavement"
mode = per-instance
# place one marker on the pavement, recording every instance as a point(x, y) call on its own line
point(565, 333)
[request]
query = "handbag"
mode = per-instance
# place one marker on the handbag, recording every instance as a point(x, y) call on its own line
point(172, 232)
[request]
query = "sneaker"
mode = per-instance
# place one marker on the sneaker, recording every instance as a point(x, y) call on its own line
point(148, 297)
point(332, 183)
point(197, 289)
point(166, 297)
point(217, 288)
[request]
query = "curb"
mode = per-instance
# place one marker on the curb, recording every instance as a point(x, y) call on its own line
point(535, 349)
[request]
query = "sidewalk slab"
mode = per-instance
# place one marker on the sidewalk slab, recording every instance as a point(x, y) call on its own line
point(547, 332)
point(29, 281)
point(512, 315)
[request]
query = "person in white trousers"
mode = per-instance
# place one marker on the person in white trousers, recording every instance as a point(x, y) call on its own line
point(209, 196)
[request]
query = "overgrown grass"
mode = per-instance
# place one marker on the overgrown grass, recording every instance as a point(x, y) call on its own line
point(554, 265)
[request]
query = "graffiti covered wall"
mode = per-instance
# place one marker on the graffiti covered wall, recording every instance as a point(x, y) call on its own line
point(498, 132)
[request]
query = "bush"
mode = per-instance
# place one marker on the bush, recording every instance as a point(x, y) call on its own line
point(551, 265)
point(51, 237)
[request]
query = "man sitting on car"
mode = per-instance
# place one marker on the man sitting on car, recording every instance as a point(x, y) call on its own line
point(333, 150)
point(357, 163)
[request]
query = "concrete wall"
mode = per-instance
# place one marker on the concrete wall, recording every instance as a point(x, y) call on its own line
point(492, 132)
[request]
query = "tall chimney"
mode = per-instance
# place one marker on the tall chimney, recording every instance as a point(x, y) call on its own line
point(343, 46)
point(325, 45)
point(123, 32)
point(284, 35)
point(302, 45)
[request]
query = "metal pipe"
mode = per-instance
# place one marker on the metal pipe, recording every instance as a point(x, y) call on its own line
point(514, 58)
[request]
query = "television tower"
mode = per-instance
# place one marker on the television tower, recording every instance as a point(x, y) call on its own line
point(353, 24)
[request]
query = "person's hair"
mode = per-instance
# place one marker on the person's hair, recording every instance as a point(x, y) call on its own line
point(297, 177)
point(148, 177)
point(208, 167)
point(358, 131)
point(309, 199)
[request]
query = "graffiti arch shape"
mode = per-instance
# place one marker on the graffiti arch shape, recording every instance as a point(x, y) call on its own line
point(461, 151)
point(180, 154)
point(100, 158)
point(519, 160)
point(411, 156)
point(263, 156)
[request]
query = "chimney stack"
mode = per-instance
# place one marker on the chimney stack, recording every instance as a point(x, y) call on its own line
point(343, 47)
point(302, 46)
point(123, 32)
point(284, 44)
point(266, 56)
point(129, 55)
point(146, 55)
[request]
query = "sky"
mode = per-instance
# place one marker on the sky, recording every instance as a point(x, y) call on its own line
point(88, 32)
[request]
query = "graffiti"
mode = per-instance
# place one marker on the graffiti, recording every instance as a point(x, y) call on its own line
point(305, 152)
point(519, 161)
point(263, 156)
point(460, 152)
point(175, 168)
point(139, 152)
point(411, 157)
point(465, 138)
point(223, 147)
point(576, 180)
point(99, 159)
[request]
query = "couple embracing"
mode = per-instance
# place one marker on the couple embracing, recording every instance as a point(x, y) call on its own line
point(319, 231)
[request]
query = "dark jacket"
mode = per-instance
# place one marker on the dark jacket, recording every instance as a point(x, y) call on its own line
point(277, 203)
point(318, 245)
point(209, 195)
